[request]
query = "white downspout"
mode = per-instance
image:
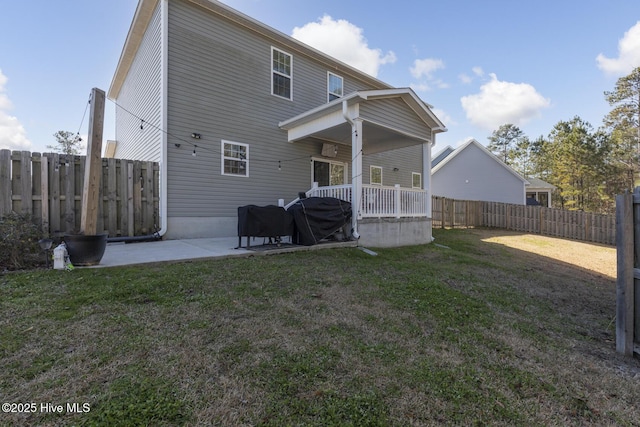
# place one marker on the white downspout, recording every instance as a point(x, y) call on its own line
point(426, 180)
point(164, 28)
point(356, 165)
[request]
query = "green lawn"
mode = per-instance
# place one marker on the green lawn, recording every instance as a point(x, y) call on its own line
point(469, 334)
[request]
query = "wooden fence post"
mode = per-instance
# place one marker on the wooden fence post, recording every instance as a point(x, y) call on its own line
point(624, 285)
point(26, 201)
point(93, 171)
point(5, 182)
point(44, 193)
point(131, 199)
point(635, 301)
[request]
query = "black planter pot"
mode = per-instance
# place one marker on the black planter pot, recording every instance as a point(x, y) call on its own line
point(85, 250)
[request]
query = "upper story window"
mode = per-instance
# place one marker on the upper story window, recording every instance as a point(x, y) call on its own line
point(375, 176)
point(235, 158)
point(334, 86)
point(281, 65)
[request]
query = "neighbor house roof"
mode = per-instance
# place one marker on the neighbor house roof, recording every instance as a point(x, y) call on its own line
point(441, 155)
point(452, 154)
point(539, 184)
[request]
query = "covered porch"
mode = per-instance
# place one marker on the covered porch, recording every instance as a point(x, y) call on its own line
point(373, 122)
point(377, 201)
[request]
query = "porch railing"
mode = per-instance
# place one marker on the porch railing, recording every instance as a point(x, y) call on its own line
point(378, 201)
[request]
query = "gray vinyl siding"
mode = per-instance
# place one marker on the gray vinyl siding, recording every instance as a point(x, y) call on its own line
point(219, 85)
point(396, 114)
point(407, 160)
point(141, 98)
point(474, 175)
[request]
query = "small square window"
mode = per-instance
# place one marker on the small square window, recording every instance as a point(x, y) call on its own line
point(416, 180)
point(235, 158)
point(335, 86)
point(281, 65)
point(375, 175)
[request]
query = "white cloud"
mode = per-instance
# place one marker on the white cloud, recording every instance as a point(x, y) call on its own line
point(420, 87)
point(12, 133)
point(423, 70)
point(464, 78)
point(441, 84)
point(503, 102)
point(425, 67)
point(478, 71)
point(444, 117)
point(628, 54)
point(344, 41)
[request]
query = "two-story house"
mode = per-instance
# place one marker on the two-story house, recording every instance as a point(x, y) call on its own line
point(237, 113)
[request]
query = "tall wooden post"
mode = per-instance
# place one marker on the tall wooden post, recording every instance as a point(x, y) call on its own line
point(93, 167)
point(625, 280)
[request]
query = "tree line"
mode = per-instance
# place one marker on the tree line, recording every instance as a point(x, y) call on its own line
point(588, 166)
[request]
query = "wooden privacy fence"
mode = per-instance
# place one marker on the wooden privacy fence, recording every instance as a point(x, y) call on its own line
point(576, 225)
point(628, 281)
point(49, 186)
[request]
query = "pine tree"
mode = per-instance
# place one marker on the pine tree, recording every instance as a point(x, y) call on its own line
point(624, 124)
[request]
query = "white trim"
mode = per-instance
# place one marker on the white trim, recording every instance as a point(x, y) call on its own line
point(164, 66)
point(413, 174)
point(290, 76)
point(371, 169)
point(329, 93)
point(141, 20)
point(422, 109)
point(345, 177)
point(427, 174)
point(223, 158)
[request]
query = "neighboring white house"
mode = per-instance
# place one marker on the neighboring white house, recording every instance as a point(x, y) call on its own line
point(540, 191)
point(472, 172)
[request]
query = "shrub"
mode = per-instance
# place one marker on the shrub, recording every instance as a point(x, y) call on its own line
point(19, 248)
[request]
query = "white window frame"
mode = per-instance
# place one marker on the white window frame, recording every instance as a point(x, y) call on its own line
point(413, 175)
point(331, 162)
point(329, 93)
point(371, 169)
point(289, 76)
point(223, 158)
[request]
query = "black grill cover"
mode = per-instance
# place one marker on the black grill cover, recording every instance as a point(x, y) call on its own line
point(264, 221)
point(317, 218)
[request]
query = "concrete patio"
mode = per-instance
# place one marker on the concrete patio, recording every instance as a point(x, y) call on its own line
point(121, 254)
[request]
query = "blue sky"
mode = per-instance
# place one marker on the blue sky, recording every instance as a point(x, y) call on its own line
point(479, 63)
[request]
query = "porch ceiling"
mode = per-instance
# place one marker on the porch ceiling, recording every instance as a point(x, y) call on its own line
point(327, 122)
point(375, 138)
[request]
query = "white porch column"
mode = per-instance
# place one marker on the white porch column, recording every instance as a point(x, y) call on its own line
point(426, 175)
point(356, 173)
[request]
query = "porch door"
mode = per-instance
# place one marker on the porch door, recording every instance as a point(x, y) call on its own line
point(327, 173)
point(543, 198)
